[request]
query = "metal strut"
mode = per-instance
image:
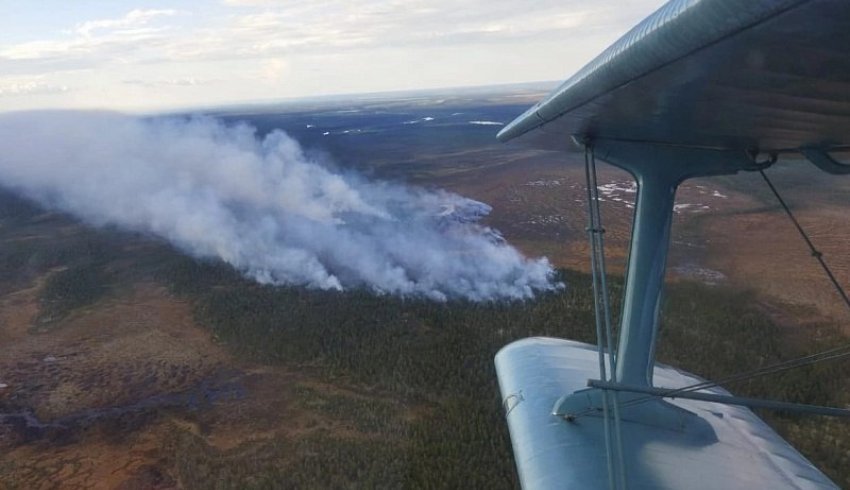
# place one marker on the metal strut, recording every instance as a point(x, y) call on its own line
point(604, 336)
point(693, 391)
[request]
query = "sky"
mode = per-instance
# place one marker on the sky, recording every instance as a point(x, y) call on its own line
point(147, 56)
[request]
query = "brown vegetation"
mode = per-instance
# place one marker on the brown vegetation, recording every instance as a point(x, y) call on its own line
point(131, 366)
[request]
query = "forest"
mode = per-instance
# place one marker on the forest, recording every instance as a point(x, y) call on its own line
point(439, 356)
point(410, 383)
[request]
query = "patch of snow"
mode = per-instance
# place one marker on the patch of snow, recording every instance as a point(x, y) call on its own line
point(694, 208)
point(417, 121)
point(611, 188)
point(614, 191)
point(693, 271)
point(543, 183)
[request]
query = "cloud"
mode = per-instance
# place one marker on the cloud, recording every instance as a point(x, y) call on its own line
point(275, 29)
point(173, 82)
point(248, 3)
point(130, 22)
point(30, 87)
point(318, 46)
point(274, 69)
point(129, 39)
point(341, 24)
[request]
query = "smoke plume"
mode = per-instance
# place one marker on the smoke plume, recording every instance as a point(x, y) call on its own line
point(262, 206)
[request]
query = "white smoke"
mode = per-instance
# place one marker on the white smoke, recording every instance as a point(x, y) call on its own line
point(262, 206)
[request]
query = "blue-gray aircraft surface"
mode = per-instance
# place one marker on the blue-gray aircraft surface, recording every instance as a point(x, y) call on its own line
point(699, 88)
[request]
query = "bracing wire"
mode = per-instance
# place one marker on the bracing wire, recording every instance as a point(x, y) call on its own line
point(609, 337)
point(616, 464)
point(839, 352)
point(592, 229)
point(815, 252)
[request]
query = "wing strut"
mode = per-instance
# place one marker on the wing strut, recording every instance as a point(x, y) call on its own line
point(658, 171)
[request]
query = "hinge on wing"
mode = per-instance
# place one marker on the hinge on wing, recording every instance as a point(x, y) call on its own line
point(511, 401)
point(769, 159)
point(824, 161)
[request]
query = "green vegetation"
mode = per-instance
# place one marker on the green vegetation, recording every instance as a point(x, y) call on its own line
point(412, 399)
point(68, 289)
point(318, 461)
point(80, 264)
point(717, 333)
point(438, 357)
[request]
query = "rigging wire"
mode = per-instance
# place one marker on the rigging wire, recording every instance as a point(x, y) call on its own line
point(815, 252)
point(616, 464)
point(593, 229)
point(609, 337)
point(839, 352)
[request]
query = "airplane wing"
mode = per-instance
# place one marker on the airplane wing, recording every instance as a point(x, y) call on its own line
point(697, 88)
point(766, 74)
point(733, 449)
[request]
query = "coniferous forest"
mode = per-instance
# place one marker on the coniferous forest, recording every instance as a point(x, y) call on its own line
point(376, 391)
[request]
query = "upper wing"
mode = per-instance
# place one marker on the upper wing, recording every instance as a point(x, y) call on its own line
point(726, 74)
